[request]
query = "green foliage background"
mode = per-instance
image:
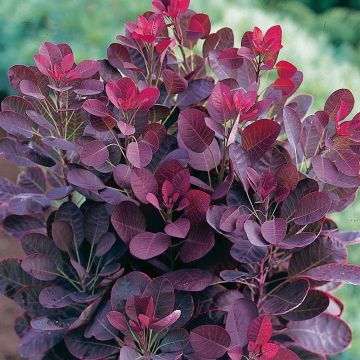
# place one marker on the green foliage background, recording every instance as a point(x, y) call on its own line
point(321, 37)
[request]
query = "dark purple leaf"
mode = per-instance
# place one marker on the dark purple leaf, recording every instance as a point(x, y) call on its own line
point(162, 291)
point(199, 242)
point(197, 91)
point(174, 82)
point(128, 221)
point(91, 349)
point(315, 303)
point(259, 137)
point(286, 298)
point(105, 243)
point(321, 252)
point(36, 342)
point(190, 279)
point(40, 266)
point(209, 341)
point(174, 341)
point(244, 251)
point(311, 208)
point(55, 297)
point(194, 131)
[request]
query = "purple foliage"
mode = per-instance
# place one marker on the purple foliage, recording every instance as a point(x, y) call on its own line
point(173, 205)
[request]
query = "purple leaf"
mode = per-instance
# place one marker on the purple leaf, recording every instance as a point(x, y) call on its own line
point(286, 298)
point(15, 124)
point(209, 341)
point(84, 179)
point(139, 154)
point(91, 349)
point(40, 266)
point(174, 82)
point(128, 221)
point(292, 125)
point(147, 245)
point(315, 303)
point(29, 88)
point(89, 87)
point(94, 153)
point(311, 208)
point(162, 291)
point(253, 232)
point(54, 297)
point(324, 334)
point(105, 243)
point(340, 273)
point(143, 182)
point(96, 108)
point(193, 130)
point(274, 231)
point(59, 143)
point(197, 91)
point(199, 242)
point(190, 279)
point(39, 120)
point(321, 252)
point(333, 103)
point(245, 252)
point(240, 315)
point(259, 136)
point(178, 228)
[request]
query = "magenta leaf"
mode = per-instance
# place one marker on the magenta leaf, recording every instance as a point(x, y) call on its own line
point(260, 330)
point(84, 179)
point(178, 228)
point(139, 154)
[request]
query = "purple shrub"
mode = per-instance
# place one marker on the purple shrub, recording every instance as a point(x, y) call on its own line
point(173, 205)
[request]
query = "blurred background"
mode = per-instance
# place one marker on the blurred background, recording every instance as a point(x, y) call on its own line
point(321, 37)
